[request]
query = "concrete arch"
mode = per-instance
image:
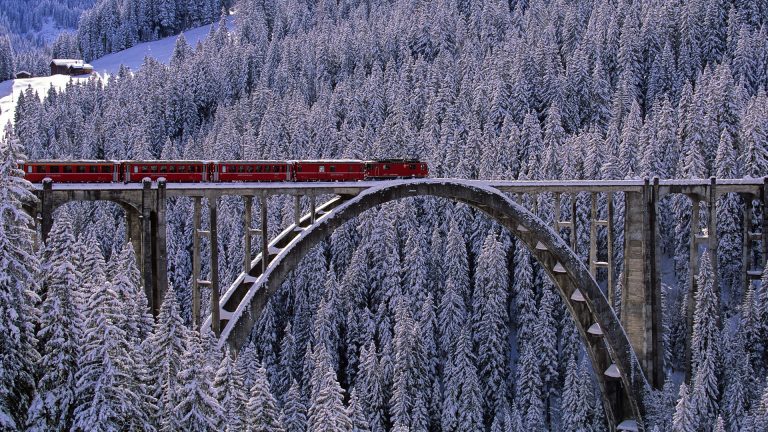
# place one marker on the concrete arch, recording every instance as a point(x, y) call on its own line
point(618, 371)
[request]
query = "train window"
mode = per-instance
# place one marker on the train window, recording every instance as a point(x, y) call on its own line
point(153, 168)
point(412, 166)
point(80, 169)
point(298, 168)
point(54, 168)
point(106, 169)
point(386, 167)
point(333, 168)
point(182, 168)
point(144, 168)
point(321, 169)
point(29, 169)
point(67, 169)
point(277, 168)
point(249, 168)
point(172, 168)
point(258, 168)
point(163, 168)
point(223, 168)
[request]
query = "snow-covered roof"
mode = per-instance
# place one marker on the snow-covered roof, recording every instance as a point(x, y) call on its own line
point(71, 63)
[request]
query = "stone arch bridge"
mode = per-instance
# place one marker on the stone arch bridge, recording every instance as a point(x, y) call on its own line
point(626, 354)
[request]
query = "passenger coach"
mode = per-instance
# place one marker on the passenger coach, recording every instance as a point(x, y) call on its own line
point(181, 171)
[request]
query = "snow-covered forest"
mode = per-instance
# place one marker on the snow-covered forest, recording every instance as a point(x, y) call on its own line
point(422, 315)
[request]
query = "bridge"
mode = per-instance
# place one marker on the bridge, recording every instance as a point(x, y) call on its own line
point(626, 353)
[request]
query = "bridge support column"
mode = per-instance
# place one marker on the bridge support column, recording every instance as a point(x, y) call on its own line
point(46, 212)
point(133, 231)
point(641, 294)
point(146, 241)
point(214, 282)
point(153, 243)
point(160, 258)
point(196, 214)
point(247, 232)
point(764, 193)
point(264, 235)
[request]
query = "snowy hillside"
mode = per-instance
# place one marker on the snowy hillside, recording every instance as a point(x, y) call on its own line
point(132, 57)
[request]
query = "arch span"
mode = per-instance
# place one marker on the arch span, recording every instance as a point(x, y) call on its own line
point(618, 371)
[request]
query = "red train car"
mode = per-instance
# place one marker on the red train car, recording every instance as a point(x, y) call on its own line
point(71, 171)
point(252, 171)
point(329, 170)
point(388, 169)
point(172, 171)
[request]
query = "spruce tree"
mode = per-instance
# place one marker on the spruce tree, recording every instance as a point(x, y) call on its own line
point(263, 413)
point(197, 408)
point(327, 412)
point(230, 394)
point(18, 284)
point(490, 323)
point(294, 410)
point(59, 336)
point(109, 393)
point(167, 346)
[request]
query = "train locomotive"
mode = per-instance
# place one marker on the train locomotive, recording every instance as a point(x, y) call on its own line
point(188, 171)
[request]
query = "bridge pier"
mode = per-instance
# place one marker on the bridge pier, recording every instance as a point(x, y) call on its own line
point(641, 293)
point(46, 213)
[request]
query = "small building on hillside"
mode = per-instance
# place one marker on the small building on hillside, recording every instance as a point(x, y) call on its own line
point(23, 74)
point(70, 67)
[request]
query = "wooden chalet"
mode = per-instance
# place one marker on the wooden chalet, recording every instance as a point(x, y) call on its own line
point(70, 67)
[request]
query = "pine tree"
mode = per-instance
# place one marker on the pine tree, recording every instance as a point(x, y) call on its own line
point(167, 345)
point(59, 336)
point(197, 408)
point(684, 420)
point(530, 387)
point(462, 407)
point(327, 412)
point(263, 414)
point(294, 410)
point(127, 284)
point(230, 394)
point(575, 414)
point(109, 395)
point(490, 323)
point(706, 334)
point(18, 284)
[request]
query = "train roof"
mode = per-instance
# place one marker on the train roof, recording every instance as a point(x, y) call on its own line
point(328, 160)
point(395, 160)
point(78, 161)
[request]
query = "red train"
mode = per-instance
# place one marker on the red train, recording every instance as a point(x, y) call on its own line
point(178, 171)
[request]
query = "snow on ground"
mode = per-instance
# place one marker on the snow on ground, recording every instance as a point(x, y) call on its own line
point(11, 89)
point(108, 65)
point(161, 50)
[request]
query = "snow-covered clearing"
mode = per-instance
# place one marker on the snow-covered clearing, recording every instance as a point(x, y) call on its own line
point(132, 57)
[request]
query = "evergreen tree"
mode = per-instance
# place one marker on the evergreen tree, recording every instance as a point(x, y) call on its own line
point(684, 420)
point(197, 408)
point(18, 284)
point(59, 336)
point(263, 414)
point(167, 345)
point(490, 323)
point(109, 395)
point(327, 412)
point(230, 394)
point(294, 410)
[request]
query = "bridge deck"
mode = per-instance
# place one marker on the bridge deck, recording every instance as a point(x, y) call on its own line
point(353, 188)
